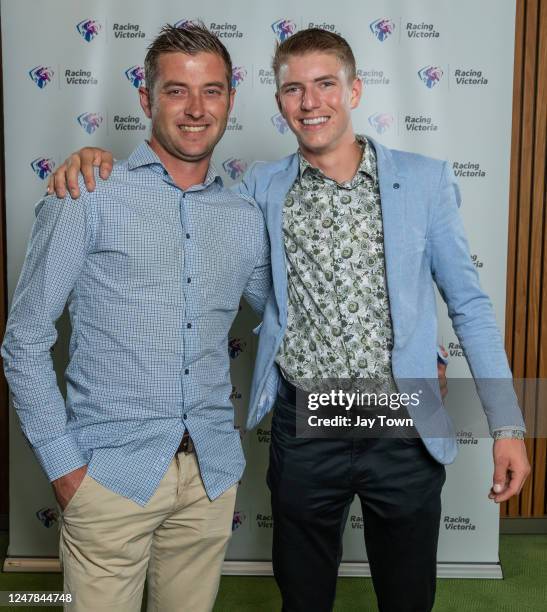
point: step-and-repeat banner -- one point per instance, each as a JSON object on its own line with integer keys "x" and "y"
{"x": 437, "y": 80}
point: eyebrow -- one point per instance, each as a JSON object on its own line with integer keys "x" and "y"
{"x": 219, "y": 84}
{"x": 325, "y": 77}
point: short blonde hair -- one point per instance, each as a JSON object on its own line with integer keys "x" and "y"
{"x": 315, "y": 39}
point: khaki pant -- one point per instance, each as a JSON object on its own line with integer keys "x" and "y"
{"x": 109, "y": 545}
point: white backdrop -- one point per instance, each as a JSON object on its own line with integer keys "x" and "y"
{"x": 438, "y": 81}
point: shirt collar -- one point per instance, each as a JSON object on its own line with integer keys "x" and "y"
{"x": 144, "y": 155}
{"x": 367, "y": 165}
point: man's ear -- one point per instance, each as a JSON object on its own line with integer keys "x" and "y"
{"x": 146, "y": 101}
{"x": 232, "y": 95}
{"x": 356, "y": 92}
{"x": 278, "y": 100}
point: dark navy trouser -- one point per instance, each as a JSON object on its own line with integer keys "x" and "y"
{"x": 312, "y": 483}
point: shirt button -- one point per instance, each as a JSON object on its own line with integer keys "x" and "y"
{"x": 396, "y": 185}
{"x": 189, "y": 325}
{"x": 188, "y": 280}
{"x": 187, "y": 371}
{"x": 187, "y": 235}
{"x": 185, "y": 416}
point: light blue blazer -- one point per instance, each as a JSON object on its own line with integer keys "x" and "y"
{"x": 425, "y": 244}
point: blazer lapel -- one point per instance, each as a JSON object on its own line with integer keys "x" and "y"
{"x": 393, "y": 187}
{"x": 276, "y": 194}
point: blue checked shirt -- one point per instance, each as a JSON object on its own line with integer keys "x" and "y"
{"x": 153, "y": 278}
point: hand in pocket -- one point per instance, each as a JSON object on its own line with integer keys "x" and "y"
{"x": 65, "y": 487}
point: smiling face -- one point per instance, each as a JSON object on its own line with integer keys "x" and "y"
{"x": 316, "y": 97}
{"x": 189, "y": 106}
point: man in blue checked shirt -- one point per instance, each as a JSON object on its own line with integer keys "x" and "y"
{"x": 143, "y": 457}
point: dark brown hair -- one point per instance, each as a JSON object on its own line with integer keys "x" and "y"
{"x": 192, "y": 38}
{"x": 315, "y": 39}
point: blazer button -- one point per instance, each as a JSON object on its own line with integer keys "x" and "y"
{"x": 396, "y": 185}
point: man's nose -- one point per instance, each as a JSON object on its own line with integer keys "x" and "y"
{"x": 310, "y": 99}
{"x": 194, "y": 107}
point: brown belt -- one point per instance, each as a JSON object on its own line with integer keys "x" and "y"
{"x": 186, "y": 444}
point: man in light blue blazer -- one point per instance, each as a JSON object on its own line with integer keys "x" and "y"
{"x": 423, "y": 243}
{"x": 359, "y": 236}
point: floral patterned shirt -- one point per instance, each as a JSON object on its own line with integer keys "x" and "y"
{"x": 339, "y": 324}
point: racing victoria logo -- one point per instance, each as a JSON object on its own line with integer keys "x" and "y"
{"x": 236, "y": 347}
{"x": 381, "y": 122}
{"x": 42, "y": 166}
{"x": 234, "y": 167}
{"x": 238, "y": 75}
{"x": 430, "y": 75}
{"x": 135, "y": 75}
{"x": 238, "y": 519}
{"x": 280, "y": 124}
{"x": 283, "y": 29}
{"x": 185, "y": 23}
{"x": 41, "y": 75}
{"x": 47, "y": 516}
{"x": 90, "y": 121}
{"x": 382, "y": 28}
{"x": 89, "y": 29}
